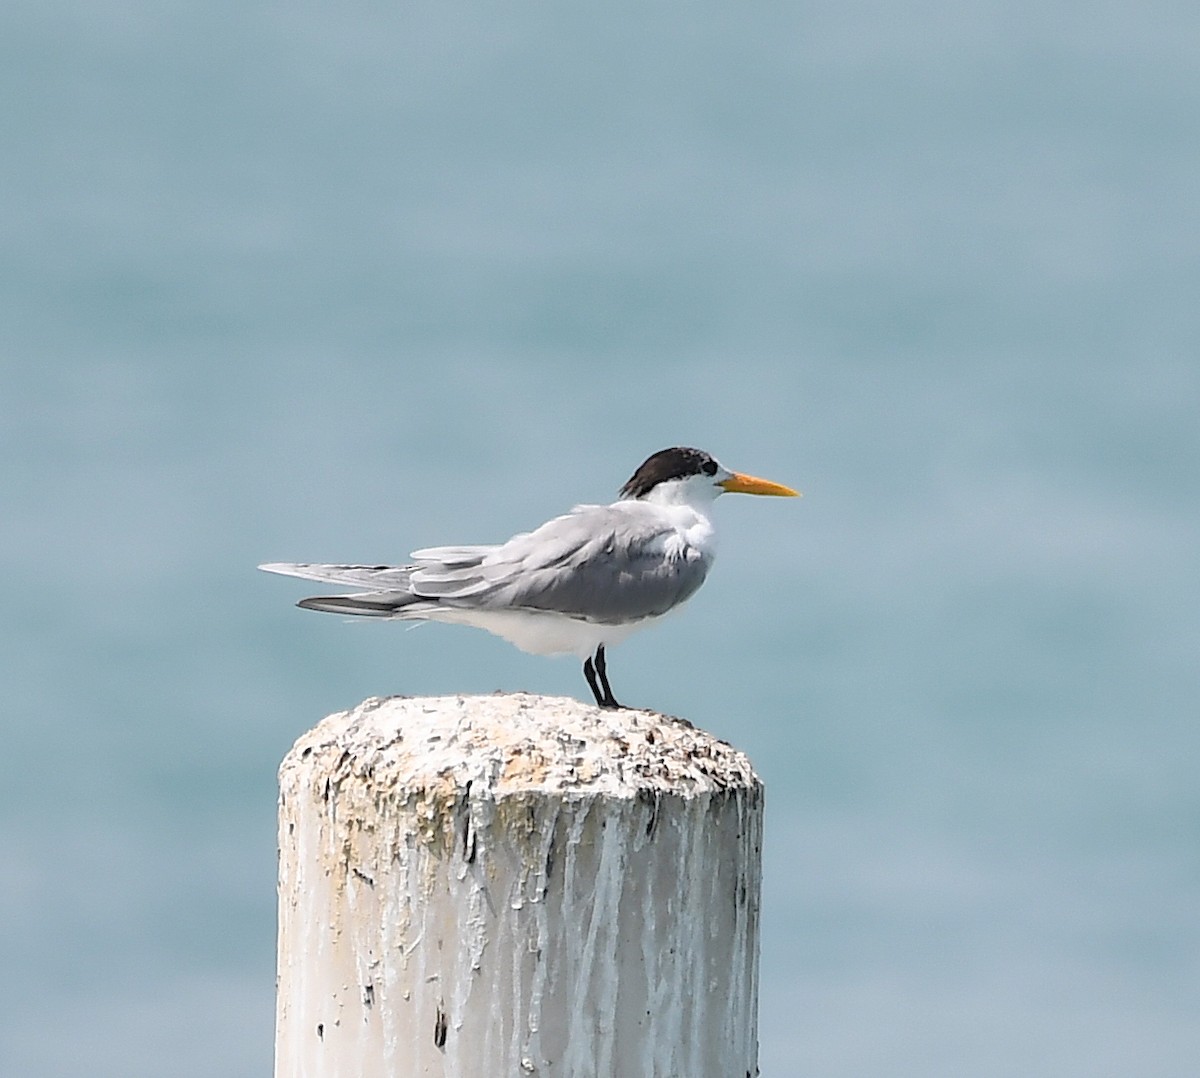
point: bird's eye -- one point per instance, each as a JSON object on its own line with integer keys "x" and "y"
{"x": 709, "y": 467}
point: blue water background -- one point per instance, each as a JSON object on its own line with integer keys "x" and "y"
{"x": 319, "y": 282}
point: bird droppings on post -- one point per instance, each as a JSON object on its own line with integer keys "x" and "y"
{"x": 542, "y": 883}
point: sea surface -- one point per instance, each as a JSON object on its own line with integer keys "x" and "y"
{"x": 333, "y": 282}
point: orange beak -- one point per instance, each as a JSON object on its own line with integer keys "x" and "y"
{"x": 748, "y": 484}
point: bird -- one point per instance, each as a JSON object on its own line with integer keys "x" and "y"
{"x": 580, "y": 583}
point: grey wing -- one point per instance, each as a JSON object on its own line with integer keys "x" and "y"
{"x": 388, "y": 588}
{"x": 599, "y": 563}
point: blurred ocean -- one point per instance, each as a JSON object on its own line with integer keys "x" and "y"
{"x": 318, "y": 282}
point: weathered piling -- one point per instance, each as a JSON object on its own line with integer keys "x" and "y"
{"x": 513, "y": 885}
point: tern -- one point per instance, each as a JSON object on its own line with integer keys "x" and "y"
{"x": 580, "y": 583}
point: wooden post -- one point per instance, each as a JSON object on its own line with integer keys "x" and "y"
{"x": 513, "y": 885}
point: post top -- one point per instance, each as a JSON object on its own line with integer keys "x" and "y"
{"x": 511, "y": 743}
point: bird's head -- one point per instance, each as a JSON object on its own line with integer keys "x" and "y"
{"x": 682, "y": 475}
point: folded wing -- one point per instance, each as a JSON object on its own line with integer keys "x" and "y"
{"x": 601, "y": 563}
{"x": 607, "y": 564}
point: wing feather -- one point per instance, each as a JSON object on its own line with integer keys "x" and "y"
{"x": 371, "y": 577}
{"x": 452, "y": 557}
{"x": 602, "y": 563}
{"x": 607, "y": 564}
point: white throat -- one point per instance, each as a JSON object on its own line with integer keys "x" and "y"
{"x": 697, "y": 492}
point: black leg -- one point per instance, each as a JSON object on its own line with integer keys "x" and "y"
{"x": 589, "y": 672}
{"x": 602, "y": 673}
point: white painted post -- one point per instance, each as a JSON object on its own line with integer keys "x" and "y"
{"x": 512, "y": 885}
